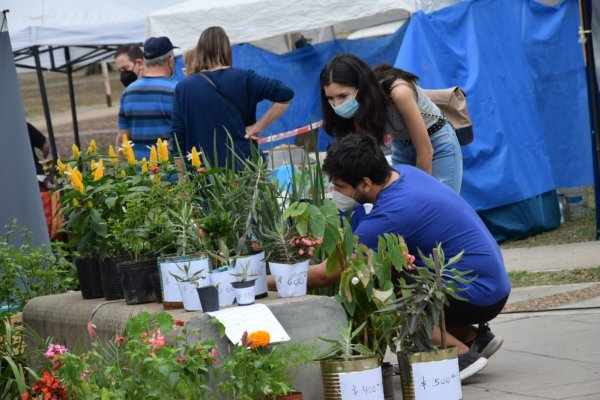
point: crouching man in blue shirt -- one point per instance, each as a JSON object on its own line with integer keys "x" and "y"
{"x": 408, "y": 202}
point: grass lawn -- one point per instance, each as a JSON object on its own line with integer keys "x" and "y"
{"x": 583, "y": 275}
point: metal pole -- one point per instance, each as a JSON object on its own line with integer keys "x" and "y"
{"x": 72, "y": 96}
{"x": 586, "y": 36}
{"x": 40, "y": 76}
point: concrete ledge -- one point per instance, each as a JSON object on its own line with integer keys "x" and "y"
{"x": 64, "y": 317}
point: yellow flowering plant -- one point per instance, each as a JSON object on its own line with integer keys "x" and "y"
{"x": 256, "y": 369}
{"x": 88, "y": 198}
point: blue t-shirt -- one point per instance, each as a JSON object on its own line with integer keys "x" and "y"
{"x": 145, "y": 110}
{"x": 426, "y": 212}
{"x": 202, "y": 117}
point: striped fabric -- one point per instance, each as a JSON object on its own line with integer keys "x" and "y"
{"x": 145, "y": 111}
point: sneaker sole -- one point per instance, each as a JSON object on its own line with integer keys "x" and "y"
{"x": 473, "y": 368}
{"x": 492, "y": 347}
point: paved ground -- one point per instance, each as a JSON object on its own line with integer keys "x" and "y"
{"x": 546, "y": 355}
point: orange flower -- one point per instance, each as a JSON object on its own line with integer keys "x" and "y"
{"x": 259, "y": 339}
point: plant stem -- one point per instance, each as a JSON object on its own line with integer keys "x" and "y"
{"x": 438, "y": 285}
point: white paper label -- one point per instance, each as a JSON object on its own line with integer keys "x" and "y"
{"x": 363, "y": 385}
{"x": 437, "y": 380}
{"x": 170, "y": 289}
{"x": 256, "y": 317}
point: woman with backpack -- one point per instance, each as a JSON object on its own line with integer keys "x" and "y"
{"x": 388, "y": 100}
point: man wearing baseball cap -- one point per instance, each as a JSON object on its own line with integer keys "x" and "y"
{"x": 147, "y": 103}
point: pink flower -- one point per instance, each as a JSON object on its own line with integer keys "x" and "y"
{"x": 157, "y": 340}
{"x": 91, "y": 330}
{"x": 214, "y": 354}
{"x": 181, "y": 359}
{"x": 310, "y": 253}
{"x": 120, "y": 339}
{"x": 201, "y": 170}
{"x": 301, "y": 251}
{"x": 85, "y": 373}
{"x": 201, "y": 232}
{"x": 54, "y": 351}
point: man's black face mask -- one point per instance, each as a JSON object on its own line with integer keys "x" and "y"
{"x": 128, "y": 77}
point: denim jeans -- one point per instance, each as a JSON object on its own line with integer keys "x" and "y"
{"x": 447, "y": 165}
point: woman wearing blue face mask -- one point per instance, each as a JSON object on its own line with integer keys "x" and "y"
{"x": 389, "y": 101}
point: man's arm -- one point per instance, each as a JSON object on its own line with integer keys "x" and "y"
{"x": 119, "y": 140}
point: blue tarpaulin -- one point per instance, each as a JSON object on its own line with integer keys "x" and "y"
{"x": 522, "y": 68}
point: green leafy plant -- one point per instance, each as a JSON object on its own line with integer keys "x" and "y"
{"x": 28, "y": 271}
{"x": 139, "y": 364}
{"x": 347, "y": 346}
{"x": 14, "y": 374}
{"x": 421, "y": 303}
{"x": 186, "y": 276}
{"x": 254, "y": 369}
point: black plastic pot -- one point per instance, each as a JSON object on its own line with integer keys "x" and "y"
{"x": 88, "y": 272}
{"x": 155, "y": 281}
{"x": 111, "y": 280}
{"x": 209, "y": 298}
{"x": 387, "y": 373}
{"x": 136, "y": 282}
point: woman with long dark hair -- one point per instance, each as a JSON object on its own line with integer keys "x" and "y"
{"x": 388, "y": 100}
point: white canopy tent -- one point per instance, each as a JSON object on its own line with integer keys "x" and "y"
{"x": 266, "y": 22}
{"x": 67, "y": 35}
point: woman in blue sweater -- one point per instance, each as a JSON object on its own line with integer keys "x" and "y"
{"x": 217, "y": 100}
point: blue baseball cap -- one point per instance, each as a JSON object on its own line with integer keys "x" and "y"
{"x": 157, "y": 46}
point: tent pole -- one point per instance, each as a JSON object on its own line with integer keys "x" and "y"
{"x": 40, "y": 76}
{"x": 586, "y": 32}
{"x": 72, "y": 95}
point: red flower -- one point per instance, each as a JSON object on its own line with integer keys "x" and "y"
{"x": 201, "y": 232}
{"x": 154, "y": 170}
{"x": 234, "y": 184}
{"x": 91, "y": 330}
{"x": 120, "y": 339}
{"x": 201, "y": 170}
{"x": 26, "y": 396}
{"x": 178, "y": 322}
{"x": 181, "y": 359}
{"x": 49, "y": 387}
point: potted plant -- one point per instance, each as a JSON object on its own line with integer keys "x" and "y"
{"x": 189, "y": 279}
{"x": 138, "y": 234}
{"x": 348, "y": 362}
{"x": 419, "y": 309}
{"x": 181, "y": 224}
{"x": 254, "y": 369}
{"x": 244, "y": 287}
{"x": 232, "y": 196}
{"x": 83, "y": 190}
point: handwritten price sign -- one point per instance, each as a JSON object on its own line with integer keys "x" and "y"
{"x": 437, "y": 380}
{"x": 363, "y": 385}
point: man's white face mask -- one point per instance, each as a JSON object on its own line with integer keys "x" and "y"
{"x": 344, "y": 202}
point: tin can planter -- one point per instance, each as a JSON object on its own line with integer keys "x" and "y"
{"x": 357, "y": 378}
{"x": 168, "y": 265}
{"x": 257, "y": 269}
{"x": 135, "y": 280}
{"x": 111, "y": 281}
{"x": 90, "y": 282}
{"x": 209, "y": 298}
{"x": 431, "y": 375}
{"x": 244, "y": 292}
{"x": 222, "y": 279}
{"x": 290, "y": 279}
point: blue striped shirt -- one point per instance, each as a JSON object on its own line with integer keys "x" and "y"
{"x": 145, "y": 110}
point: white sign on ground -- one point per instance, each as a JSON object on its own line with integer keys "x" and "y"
{"x": 437, "y": 380}
{"x": 363, "y": 385}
